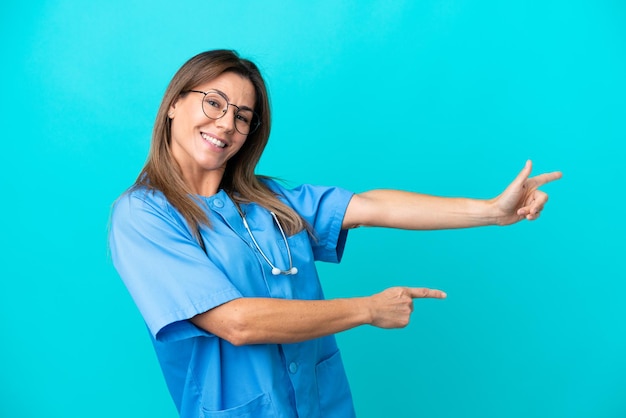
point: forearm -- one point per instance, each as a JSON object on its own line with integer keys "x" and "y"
{"x": 264, "y": 320}
{"x": 407, "y": 210}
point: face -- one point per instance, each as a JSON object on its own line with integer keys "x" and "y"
{"x": 203, "y": 146}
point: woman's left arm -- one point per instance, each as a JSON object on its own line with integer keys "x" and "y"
{"x": 522, "y": 199}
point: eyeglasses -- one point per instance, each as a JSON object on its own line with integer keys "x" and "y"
{"x": 215, "y": 106}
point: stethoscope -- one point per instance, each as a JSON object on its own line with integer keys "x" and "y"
{"x": 275, "y": 270}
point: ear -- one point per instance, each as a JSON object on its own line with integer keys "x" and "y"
{"x": 172, "y": 111}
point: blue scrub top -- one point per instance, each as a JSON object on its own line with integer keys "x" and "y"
{"x": 172, "y": 279}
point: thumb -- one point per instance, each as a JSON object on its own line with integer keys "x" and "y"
{"x": 523, "y": 175}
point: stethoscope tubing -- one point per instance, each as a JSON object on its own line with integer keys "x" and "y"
{"x": 275, "y": 270}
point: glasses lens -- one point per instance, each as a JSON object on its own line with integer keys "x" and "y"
{"x": 214, "y": 105}
{"x": 244, "y": 121}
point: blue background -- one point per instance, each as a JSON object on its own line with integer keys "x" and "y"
{"x": 535, "y": 320}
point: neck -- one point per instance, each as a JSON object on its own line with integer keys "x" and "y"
{"x": 205, "y": 184}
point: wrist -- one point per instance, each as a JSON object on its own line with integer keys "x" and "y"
{"x": 365, "y": 314}
{"x": 492, "y": 213}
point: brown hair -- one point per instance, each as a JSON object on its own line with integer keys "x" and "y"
{"x": 163, "y": 173}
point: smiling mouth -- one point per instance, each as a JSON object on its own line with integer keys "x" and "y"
{"x": 213, "y": 141}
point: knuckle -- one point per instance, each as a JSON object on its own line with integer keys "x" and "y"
{"x": 395, "y": 292}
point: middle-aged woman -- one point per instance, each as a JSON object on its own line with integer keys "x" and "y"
{"x": 220, "y": 261}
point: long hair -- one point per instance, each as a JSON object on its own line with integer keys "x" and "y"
{"x": 162, "y": 172}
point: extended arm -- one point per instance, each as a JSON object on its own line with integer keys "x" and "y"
{"x": 405, "y": 210}
{"x": 265, "y": 320}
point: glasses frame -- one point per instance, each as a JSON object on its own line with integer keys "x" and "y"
{"x": 254, "y": 123}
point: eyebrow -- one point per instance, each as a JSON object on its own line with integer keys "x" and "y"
{"x": 228, "y": 99}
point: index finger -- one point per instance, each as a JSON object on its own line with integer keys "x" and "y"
{"x": 542, "y": 179}
{"x": 424, "y": 292}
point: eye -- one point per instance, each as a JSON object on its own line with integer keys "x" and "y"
{"x": 244, "y": 117}
{"x": 213, "y": 102}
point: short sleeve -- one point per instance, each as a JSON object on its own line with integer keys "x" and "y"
{"x": 323, "y": 208}
{"x": 167, "y": 273}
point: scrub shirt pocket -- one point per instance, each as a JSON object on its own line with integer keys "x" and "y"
{"x": 297, "y": 240}
{"x": 333, "y": 388}
{"x": 300, "y": 248}
{"x": 259, "y": 407}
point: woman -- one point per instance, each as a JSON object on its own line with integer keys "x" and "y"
{"x": 220, "y": 261}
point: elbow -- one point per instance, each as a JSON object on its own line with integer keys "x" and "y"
{"x": 229, "y": 322}
{"x": 237, "y": 337}
{"x": 238, "y": 330}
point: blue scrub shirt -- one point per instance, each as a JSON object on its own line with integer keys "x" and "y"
{"x": 172, "y": 279}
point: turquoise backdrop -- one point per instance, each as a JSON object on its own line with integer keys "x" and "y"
{"x": 535, "y": 321}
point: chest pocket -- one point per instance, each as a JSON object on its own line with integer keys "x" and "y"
{"x": 300, "y": 248}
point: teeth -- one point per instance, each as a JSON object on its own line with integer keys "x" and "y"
{"x": 214, "y": 141}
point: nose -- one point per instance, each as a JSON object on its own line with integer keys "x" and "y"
{"x": 227, "y": 122}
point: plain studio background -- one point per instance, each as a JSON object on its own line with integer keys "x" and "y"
{"x": 446, "y": 97}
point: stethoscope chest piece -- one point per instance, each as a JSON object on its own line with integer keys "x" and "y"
{"x": 276, "y": 271}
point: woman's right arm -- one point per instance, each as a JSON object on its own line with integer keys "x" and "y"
{"x": 266, "y": 320}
